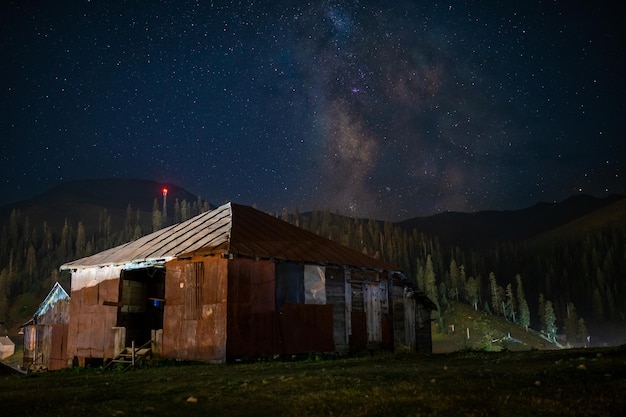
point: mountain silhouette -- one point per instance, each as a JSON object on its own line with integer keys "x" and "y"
{"x": 484, "y": 227}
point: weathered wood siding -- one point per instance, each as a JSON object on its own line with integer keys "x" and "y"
{"x": 423, "y": 331}
{"x": 336, "y": 297}
{"x": 194, "y": 318}
{"x": 401, "y": 329}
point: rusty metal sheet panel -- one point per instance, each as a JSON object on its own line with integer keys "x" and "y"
{"x": 72, "y": 338}
{"x": 216, "y": 275}
{"x": 83, "y": 334}
{"x": 58, "y": 347}
{"x": 304, "y": 328}
{"x": 201, "y": 334}
{"x": 99, "y": 332}
{"x": 211, "y": 333}
{"x": 90, "y": 331}
{"x": 172, "y": 321}
{"x": 108, "y": 291}
{"x": 251, "y": 323}
{"x": 251, "y": 333}
{"x": 90, "y": 296}
{"x": 252, "y": 282}
{"x": 110, "y": 322}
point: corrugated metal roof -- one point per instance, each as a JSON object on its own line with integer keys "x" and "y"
{"x": 232, "y": 229}
{"x": 209, "y": 230}
{"x": 261, "y": 235}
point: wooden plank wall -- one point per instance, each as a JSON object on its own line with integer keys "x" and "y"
{"x": 401, "y": 336}
{"x": 336, "y": 296}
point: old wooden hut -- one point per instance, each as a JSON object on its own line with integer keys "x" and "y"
{"x": 234, "y": 282}
{"x": 45, "y": 334}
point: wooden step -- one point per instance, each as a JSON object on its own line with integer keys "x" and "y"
{"x": 130, "y": 356}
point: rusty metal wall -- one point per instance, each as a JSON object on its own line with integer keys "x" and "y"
{"x": 90, "y": 329}
{"x": 251, "y": 307}
{"x": 30, "y": 345}
{"x": 304, "y": 328}
{"x": 57, "y": 358}
{"x": 257, "y": 328}
{"x": 199, "y": 334}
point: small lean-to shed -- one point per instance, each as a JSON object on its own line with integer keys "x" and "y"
{"x": 7, "y": 347}
{"x": 45, "y": 335}
{"x": 234, "y": 282}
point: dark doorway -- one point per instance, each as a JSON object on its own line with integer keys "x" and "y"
{"x": 142, "y": 293}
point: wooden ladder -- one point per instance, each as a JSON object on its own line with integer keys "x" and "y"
{"x": 131, "y": 356}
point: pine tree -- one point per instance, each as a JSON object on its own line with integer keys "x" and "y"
{"x": 430, "y": 284}
{"x": 296, "y": 216}
{"x": 462, "y": 280}
{"x": 421, "y": 276}
{"x": 597, "y": 304}
{"x": 571, "y": 324}
{"x": 471, "y": 288}
{"x": 64, "y": 252}
{"x": 495, "y": 294}
{"x": 4, "y": 294}
{"x": 177, "y": 212}
{"x": 443, "y": 293}
{"x": 510, "y": 304}
{"x": 582, "y": 334}
{"x": 157, "y": 217}
{"x": 550, "y": 321}
{"x": 542, "y": 313}
{"x": 31, "y": 261}
{"x": 524, "y": 312}
{"x": 184, "y": 210}
{"x": 80, "y": 240}
{"x": 454, "y": 280}
{"x": 128, "y": 228}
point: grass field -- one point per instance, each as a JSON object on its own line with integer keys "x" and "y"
{"x": 581, "y": 382}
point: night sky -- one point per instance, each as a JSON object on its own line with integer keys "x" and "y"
{"x": 384, "y": 109}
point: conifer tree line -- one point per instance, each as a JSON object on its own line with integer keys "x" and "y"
{"x": 556, "y": 288}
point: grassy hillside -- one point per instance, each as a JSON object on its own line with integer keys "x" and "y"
{"x": 486, "y": 332}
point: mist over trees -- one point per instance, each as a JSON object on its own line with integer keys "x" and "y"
{"x": 558, "y": 288}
